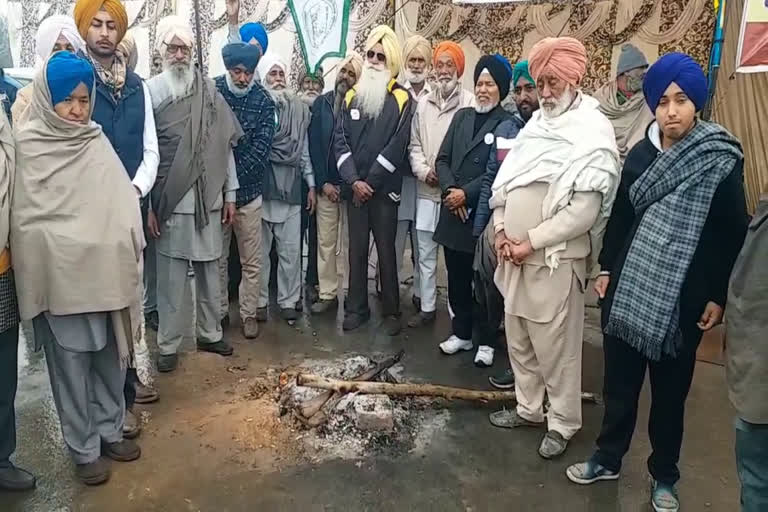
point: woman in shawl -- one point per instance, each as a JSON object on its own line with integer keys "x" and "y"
{"x": 56, "y": 33}
{"x": 76, "y": 250}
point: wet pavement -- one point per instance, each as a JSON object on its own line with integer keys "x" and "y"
{"x": 189, "y": 463}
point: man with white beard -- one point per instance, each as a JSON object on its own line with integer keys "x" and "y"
{"x": 371, "y": 142}
{"x": 255, "y": 111}
{"x": 550, "y": 206}
{"x": 194, "y": 193}
{"x": 290, "y": 164}
{"x": 431, "y": 120}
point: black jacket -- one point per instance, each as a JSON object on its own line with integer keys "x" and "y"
{"x": 321, "y": 130}
{"x": 719, "y": 244}
{"x": 375, "y": 150}
{"x": 461, "y": 163}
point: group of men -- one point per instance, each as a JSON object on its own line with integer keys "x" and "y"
{"x": 524, "y": 205}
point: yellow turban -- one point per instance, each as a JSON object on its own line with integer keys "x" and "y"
{"x": 85, "y": 10}
{"x": 386, "y": 36}
{"x": 353, "y": 60}
{"x": 418, "y": 46}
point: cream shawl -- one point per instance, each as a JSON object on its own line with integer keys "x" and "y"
{"x": 76, "y": 229}
{"x": 630, "y": 120}
{"x": 7, "y": 159}
{"x": 574, "y": 152}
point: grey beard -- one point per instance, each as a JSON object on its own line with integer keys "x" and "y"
{"x": 281, "y": 96}
{"x": 239, "y": 91}
{"x": 179, "y": 79}
{"x": 484, "y": 109}
{"x": 309, "y": 100}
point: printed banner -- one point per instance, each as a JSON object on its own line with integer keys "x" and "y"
{"x": 752, "y": 56}
{"x": 322, "y": 28}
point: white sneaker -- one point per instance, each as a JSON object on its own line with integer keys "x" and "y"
{"x": 454, "y": 344}
{"x": 484, "y": 356}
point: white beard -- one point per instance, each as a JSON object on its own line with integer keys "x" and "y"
{"x": 484, "y": 109}
{"x": 307, "y": 98}
{"x": 372, "y": 90}
{"x": 559, "y": 106}
{"x": 448, "y": 88}
{"x": 415, "y": 78}
{"x": 281, "y": 96}
{"x": 237, "y": 91}
{"x": 179, "y": 79}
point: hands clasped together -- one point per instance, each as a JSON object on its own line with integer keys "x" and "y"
{"x": 512, "y": 249}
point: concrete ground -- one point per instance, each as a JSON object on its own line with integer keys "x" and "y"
{"x": 195, "y": 458}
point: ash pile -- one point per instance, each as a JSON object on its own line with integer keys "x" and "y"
{"x": 353, "y": 425}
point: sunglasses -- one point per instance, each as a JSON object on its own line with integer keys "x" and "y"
{"x": 379, "y": 56}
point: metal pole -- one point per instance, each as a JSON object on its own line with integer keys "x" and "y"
{"x": 198, "y": 32}
{"x": 714, "y": 59}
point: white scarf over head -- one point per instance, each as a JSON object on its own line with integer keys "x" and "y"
{"x": 574, "y": 152}
{"x": 267, "y": 62}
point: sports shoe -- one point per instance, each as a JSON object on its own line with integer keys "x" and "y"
{"x": 589, "y": 472}
{"x": 664, "y": 497}
{"x": 251, "y": 328}
{"x": 484, "y": 356}
{"x": 131, "y": 426}
{"x": 508, "y": 418}
{"x": 505, "y": 381}
{"x": 453, "y": 344}
{"x": 553, "y": 445}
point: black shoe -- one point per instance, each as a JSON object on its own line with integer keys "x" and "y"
{"x": 352, "y": 321}
{"x": 391, "y": 325}
{"x": 152, "y": 320}
{"x": 312, "y": 295}
{"x": 123, "y": 451}
{"x": 421, "y": 319}
{"x": 323, "y": 305}
{"x": 15, "y": 479}
{"x": 261, "y": 314}
{"x": 94, "y": 473}
{"x": 225, "y": 322}
{"x": 416, "y": 302}
{"x": 289, "y": 314}
{"x": 167, "y": 362}
{"x": 506, "y": 381}
{"x": 220, "y": 347}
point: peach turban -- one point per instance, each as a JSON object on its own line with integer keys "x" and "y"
{"x": 85, "y": 10}
{"x": 386, "y": 36}
{"x": 355, "y": 61}
{"x": 454, "y": 51}
{"x": 564, "y": 57}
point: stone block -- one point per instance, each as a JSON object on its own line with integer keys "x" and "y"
{"x": 374, "y": 413}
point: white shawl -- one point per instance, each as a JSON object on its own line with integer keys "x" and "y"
{"x": 574, "y": 152}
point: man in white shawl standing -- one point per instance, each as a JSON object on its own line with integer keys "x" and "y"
{"x": 550, "y": 204}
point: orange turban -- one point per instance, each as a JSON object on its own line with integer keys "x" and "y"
{"x": 452, "y": 49}
{"x": 85, "y": 10}
{"x": 564, "y": 57}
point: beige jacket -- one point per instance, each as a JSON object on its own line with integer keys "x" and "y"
{"x": 429, "y": 126}
{"x": 531, "y": 290}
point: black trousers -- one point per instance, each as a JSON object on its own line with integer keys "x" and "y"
{"x": 129, "y": 389}
{"x": 309, "y": 223}
{"x": 460, "y": 276}
{"x": 378, "y": 215}
{"x": 9, "y": 353}
{"x": 623, "y": 379}
{"x": 489, "y": 311}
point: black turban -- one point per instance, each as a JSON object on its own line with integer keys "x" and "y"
{"x": 235, "y": 54}
{"x": 498, "y": 71}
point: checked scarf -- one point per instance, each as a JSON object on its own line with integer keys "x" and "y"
{"x": 673, "y": 197}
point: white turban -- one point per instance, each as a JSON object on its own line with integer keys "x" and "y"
{"x": 267, "y": 62}
{"x": 49, "y": 31}
{"x": 170, "y": 27}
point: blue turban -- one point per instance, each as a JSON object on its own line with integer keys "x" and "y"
{"x": 255, "y": 31}
{"x": 235, "y": 54}
{"x": 678, "y": 68}
{"x": 65, "y": 72}
{"x": 521, "y": 71}
{"x": 504, "y": 61}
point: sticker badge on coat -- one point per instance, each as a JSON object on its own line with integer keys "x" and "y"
{"x": 489, "y": 138}
{"x": 354, "y": 114}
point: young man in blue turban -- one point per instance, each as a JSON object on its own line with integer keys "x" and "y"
{"x": 679, "y": 216}
{"x": 255, "y": 111}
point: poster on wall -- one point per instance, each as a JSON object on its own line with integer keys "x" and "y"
{"x": 322, "y": 27}
{"x": 752, "y": 55}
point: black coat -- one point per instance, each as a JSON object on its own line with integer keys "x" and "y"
{"x": 461, "y": 163}
{"x": 719, "y": 243}
{"x": 321, "y": 152}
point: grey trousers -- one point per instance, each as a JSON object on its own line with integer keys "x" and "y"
{"x": 174, "y": 311}
{"x": 88, "y": 392}
{"x": 286, "y": 235}
{"x": 403, "y": 228}
{"x": 150, "y": 276}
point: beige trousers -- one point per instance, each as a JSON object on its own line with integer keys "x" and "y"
{"x": 332, "y": 245}
{"x": 247, "y": 229}
{"x": 547, "y": 357}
